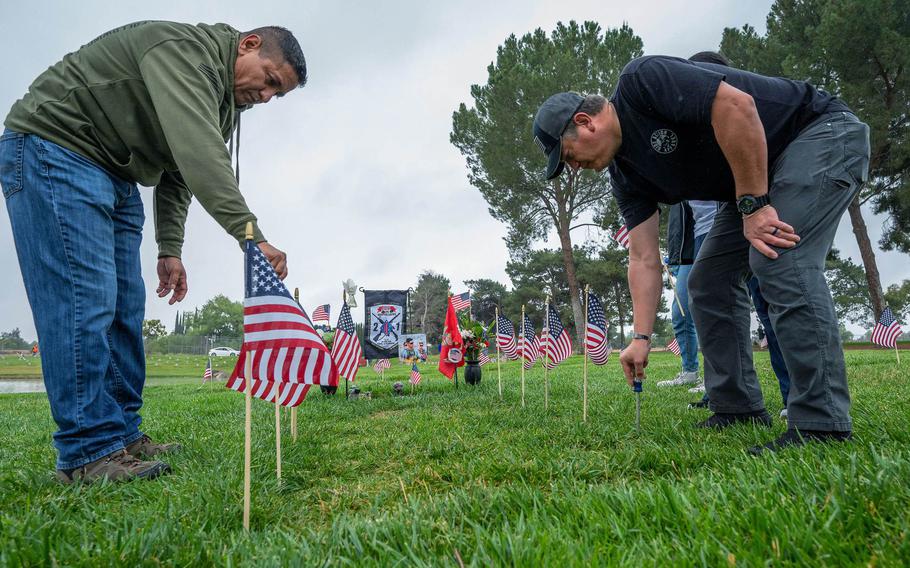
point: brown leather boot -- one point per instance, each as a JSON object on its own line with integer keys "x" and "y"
{"x": 118, "y": 466}
{"x": 144, "y": 448}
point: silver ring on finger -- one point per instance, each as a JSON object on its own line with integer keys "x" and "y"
{"x": 774, "y": 232}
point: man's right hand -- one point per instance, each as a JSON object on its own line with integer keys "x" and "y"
{"x": 171, "y": 278}
{"x": 634, "y": 359}
{"x": 276, "y": 258}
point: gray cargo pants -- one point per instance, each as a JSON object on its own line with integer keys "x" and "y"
{"x": 811, "y": 184}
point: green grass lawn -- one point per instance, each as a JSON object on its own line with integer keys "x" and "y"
{"x": 458, "y": 474}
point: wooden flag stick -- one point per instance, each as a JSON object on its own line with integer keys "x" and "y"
{"x": 523, "y": 348}
{"x": 897, "y": 353}
{"x": 498, "y": 368}
{"x": 584, "y": 390}
{"x": 248, "y": 377}
{"x": 278, "y": 429}
{"x": 673, "y": 285}
{"x": 546, "y": 344}
{"x": 294, "y": 408}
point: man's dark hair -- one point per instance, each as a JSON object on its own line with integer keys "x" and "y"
{"x": 710, "y": 57}
{"x": 592, "y": 105}
{"x": 279, "y": 44}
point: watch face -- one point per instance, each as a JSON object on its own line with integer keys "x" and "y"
{"x": 746, "y": 204}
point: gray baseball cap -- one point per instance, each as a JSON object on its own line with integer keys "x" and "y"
{"x": 551, "y": 121}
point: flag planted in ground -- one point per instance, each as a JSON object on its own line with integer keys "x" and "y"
{"x": 887, "y": 330}
{"x": 321, "y": 313}
{"x": 484, "y": 358}
{"x": 207, "y": 374}
{"x": 278, "y": 338}
{"x": 622, "y": 237}
{"x": 528, "y": 344}
{"x": 674, "y": 347}
{"x": 462, "y": 301}
{"x": 451, "y": 354}
{"x": 415, "y": 374}
{"x": 555, "y": 343}
{"x": 505, "y": 338}
{"x": 381, "y": 364}
{"x": 346, "y": 350}
{"x": 596, "y": 333}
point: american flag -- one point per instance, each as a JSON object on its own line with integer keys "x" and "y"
{"x": 484, "y": 358}
{"x": 346, "y": 351}
{"x": 596, "y": 334}
{"x": 622, "y": 236}
{"x": 674, "y": 347}
{"x": 278, "y": 339}
{"x": 381, "y": 364}
{"x": 462, "y": 301}
{"x": 528, "y": 344}
{"x": 415, "y": 374}
{"x": 887, "y": 330}
{"x": 556, "y": 344}
{"x": 207, "y": 375}
{"x": 321, "y": 313}
{"x": 505, "y": 337}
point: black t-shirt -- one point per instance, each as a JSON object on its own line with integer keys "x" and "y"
{"x": 669, "y": 152}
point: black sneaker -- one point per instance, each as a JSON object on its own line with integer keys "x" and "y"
{"x": 722, "y": 420}
{"x": 699, "y": 404}
{"x": 797, "y": 438}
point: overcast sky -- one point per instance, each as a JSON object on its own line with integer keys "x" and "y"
{"x": 354, "y": 176}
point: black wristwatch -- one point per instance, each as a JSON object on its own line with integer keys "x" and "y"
{"x": 641, "y": 336}
{"x": 749, "y": 204}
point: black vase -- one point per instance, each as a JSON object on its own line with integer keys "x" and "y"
{"x": 472, "y": 373}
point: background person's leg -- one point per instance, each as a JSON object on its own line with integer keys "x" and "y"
{"x": 719, "y": 304}
{"x": 61, "y": 220}
{"x": 777, "y": 358}
{"x": 685, "y": 333}
{"x": 126, "y": 374}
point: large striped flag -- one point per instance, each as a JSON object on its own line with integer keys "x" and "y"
{"x": 381, "y": 364}
{"x": 415, "y": 374}
{"x": 596, "y": 333}
{"x": 321, "y": 313}
{"x": 346, "y": 351}
{"x": 528, "y": 344}
{"x": 674, "y": 347}
{"x": 462, "y": 301}
{"x": 887, "y": 330}
{"x": 278, "y": 339}
{"x": 207, "y": 374}
{"x": 505, "y": 338}
{"x": 622, "y": 237}
{"x": 556, "y": 344}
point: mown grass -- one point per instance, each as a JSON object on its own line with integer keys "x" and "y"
{"x": 457, "y": 475}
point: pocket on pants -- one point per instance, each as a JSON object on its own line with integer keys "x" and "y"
{"x": 11, "y": 147}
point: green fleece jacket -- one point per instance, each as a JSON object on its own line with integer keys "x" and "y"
{"x": 152, "y": 103}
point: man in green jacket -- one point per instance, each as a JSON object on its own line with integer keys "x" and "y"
{"x": 150, "y": 103}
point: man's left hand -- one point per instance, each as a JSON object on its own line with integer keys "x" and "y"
{"x": 763, "y": 230}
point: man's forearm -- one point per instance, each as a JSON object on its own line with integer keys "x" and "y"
{"x": 645, "y": 283}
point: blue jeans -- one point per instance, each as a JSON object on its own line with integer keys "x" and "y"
{"x": 77, "y": 230}
{"x": 777, "y": 358}
{"x": 684, "y": 326}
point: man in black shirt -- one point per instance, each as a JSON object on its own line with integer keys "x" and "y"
{"x": 786, "y": 159}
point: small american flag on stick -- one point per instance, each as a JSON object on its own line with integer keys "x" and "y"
{"x": 556, "y": 344}
{"x": 321, "y": 313}
{"x": 674, "y": 347}
{"x": 207, "y": 374}
{"x": 415, "y": 374}
{"x": 529, "y": 344}
{"x": 484, "y": 358}
{"x": 462, "y": 301}
{"x": 622, "y": 237}
{"x": 505, "y": 337}
{"x": 887, "y": 330}
{"x": 346, "y": 350}
{"x": 381, "y": 364}
{"x": 596, "y": 333}
{"x": 278, "y": 339}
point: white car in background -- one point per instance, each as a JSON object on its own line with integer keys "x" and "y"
{"x": 223, "y": 352}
